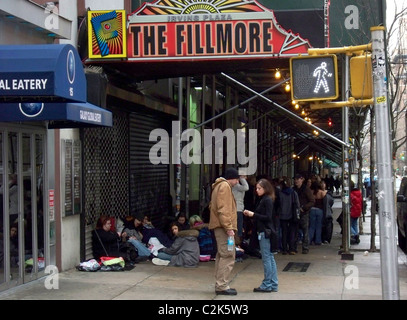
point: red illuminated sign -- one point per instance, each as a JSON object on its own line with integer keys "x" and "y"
{"x": 204, "y": 30}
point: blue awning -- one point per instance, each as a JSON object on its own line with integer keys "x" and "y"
{"x": 59, "y": 114}
{"x": 47, "y": 70}
{"x": 46, "y": 83}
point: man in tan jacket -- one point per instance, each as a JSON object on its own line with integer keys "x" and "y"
{"x": 223, "y": 220}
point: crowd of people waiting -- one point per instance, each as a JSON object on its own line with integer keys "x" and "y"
{"x": 185, "y": 244}
{"x": 302, "y": 213}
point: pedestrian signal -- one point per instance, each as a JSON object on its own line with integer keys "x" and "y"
{"x": 314, "y": 78}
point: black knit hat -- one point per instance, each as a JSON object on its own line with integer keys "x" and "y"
{"x": 299, "y": 176}
{"x": 231, "y": 173}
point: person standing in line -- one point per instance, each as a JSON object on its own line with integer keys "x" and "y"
{"x": 316, "y": 214}
{"x": 356, "y": 205}
{"x": 307, "y": 201}
{"x": 250, "y": 195}
{"x": 288, "y": 224}
{"x": 223, "y": 221}
{"x": 327, "y": 223}
{"x": 276, "y": 244}
{"x": 250, "y": 239}
{"x": 239, "y": 191}
{"x": 337, "y": 184}
{"x": 263, "y": 216}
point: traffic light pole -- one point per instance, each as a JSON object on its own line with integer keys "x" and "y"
{"x": 345, "y": 254}
{"x": 387, "y": 223}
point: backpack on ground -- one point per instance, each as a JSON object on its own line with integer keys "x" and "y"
{"x": 128, "y": 252}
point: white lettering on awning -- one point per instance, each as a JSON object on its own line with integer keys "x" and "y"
{"x": 23, "y": 84}
{"x": 90, "y": 116}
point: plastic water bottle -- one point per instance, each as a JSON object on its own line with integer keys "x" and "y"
{"x": 231, "y": 242}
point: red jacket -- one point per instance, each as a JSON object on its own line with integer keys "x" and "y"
{"x": 356, "y": 203}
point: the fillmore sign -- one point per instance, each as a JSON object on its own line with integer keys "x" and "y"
{"x": 202, "y": 39}
{"x": 202, "y": 30}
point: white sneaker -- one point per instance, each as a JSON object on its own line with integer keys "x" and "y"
{"x": 160, "y": 262}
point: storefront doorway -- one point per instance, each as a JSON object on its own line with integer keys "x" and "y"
{"x": 23, "y": 206}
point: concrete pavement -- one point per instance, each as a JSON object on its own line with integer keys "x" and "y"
{"x": 327, "y": 277}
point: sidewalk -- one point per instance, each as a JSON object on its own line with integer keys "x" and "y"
{"x": 327, "y": 277}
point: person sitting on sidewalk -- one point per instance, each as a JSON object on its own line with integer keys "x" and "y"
{"x": 134, "y": 236}
{"x": 147, "y": 221}
{"x": 205, "y": 237}
{"x": 184, "y": 252}
{"x": 149, "y": 231}
{"x": 182, "y": 221}
{"x": 105, "y": 242}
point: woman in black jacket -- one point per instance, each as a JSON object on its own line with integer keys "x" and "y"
{"x": 263, "y": 216}
{"x": 105, "y": 242}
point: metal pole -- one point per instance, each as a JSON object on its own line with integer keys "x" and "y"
{"x": 188, "y": 120}
{"x": 345, "y": 169}
{"x": 387, "y": 223}
{"x": 178, "y": 165}
{"x": 203, "y": 182}
{"x": 214, "y": 172}
{"x": 373, "y": 198}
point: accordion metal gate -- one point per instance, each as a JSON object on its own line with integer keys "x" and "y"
{"x": 105, "y": 173}
{"x": 119, "y": 178}
{"x": 149, "y": 184}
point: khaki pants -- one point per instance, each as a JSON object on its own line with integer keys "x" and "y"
{"x": 225, "y": 260}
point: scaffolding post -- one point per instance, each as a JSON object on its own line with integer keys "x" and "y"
{"x": 178, "y": 151}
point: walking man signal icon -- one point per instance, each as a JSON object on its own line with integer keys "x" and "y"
{"x": 314, "y": 78}
{"x": 321, "y": 73}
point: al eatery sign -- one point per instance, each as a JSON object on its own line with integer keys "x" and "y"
{"x": 206, "y": 30}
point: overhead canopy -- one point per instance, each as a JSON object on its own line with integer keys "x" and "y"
{"x": 46, "y": 83}
{"x": 249, "y": 61}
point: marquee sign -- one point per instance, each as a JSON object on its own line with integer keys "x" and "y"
{"x": 182, "y": 30}
{"x": 202, "y": 30}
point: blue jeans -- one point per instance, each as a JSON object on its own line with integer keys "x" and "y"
{"x": 354, "y": 226}
{"x": 141, "y": 248}
{"x": 269, "y": 264}
{"x": 164, "y": 256}
{"x": 315, "y": 225}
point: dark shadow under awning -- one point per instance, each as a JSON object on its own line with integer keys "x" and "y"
{"x": 59, "y": 114}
